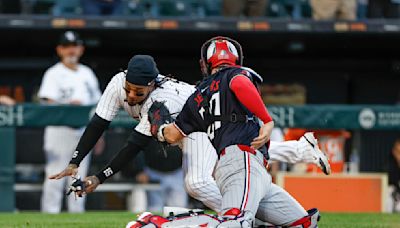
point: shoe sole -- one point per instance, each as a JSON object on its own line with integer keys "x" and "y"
{"x": 321, "y": 162}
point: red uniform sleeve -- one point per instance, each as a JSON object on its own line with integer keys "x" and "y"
{"x": 248, "y": 95}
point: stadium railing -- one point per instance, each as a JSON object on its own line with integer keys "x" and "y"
{"x": 134, "y": 191}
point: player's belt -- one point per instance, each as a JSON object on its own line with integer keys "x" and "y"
{"x": 242, "y": 148}
{"x": 245, "y": 148}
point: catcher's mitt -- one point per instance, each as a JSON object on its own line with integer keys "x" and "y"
{"x": 158, "y": 115}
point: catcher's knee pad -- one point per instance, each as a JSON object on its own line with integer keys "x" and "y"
{"x": 236, "y": 218}
{"x": 309, "y": 221}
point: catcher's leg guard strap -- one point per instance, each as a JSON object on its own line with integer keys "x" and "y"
{"x": 233, "y": 212}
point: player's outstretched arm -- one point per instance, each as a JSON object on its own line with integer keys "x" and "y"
{"x": 121, "y": 159}
{"x": 93, "y": 132}
{"x": 135, "y": 143}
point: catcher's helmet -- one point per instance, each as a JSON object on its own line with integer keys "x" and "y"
{"x": 220, "y": 50}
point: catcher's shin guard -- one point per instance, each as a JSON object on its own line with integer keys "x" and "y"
{"x": 309, "y": 221}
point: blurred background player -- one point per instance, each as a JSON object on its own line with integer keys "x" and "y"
{"x": 164, "y": 168}
{"x": 250, "y": 8}
{"x": 334, "y": 9}
{"x": 69, "y": 83}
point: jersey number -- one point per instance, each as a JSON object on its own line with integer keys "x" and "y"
{"x": 215, "y": 110}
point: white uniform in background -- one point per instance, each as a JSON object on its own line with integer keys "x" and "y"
{"x": 199, "y": 156}
{"x": 64, "y": 85}
{"x": 172, "y": 192}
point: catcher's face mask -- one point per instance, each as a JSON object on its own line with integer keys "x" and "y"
{"x": 220, "y": 50}
{"x": 136, "y": 94}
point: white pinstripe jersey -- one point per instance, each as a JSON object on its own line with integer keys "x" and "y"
{"x": 174, "y": 94}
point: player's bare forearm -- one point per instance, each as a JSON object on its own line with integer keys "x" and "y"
{"x": 172, "y": 134}
{"x": 264, "y": 135}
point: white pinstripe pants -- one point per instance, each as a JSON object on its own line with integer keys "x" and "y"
{"x": 58, "y": 154}
{"x": 199, "y": 160}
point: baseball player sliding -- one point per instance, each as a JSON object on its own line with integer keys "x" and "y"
{"x": 136, "y": 90}
{"x": 226, "y": 105}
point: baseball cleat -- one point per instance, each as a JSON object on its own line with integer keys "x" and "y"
{"x": 317, "y": 156}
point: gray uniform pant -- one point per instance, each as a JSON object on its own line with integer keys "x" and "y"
{"x": 245, "y": 184}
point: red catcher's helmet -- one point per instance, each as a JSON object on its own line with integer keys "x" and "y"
{"x": 220, "y": 50}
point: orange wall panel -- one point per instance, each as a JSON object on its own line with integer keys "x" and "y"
{"x": 338, "y": 193}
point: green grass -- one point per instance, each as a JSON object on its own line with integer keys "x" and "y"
{"x": 119, "y": 219}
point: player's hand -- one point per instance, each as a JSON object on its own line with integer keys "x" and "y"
{"x": 263, "y": 136}
{"x": 91, "y": 183}
{"x": 71, "y": 170}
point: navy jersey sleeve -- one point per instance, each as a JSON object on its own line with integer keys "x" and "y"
{"x": 189, "y": 119}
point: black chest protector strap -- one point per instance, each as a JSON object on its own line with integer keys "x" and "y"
{"x": 235, "y": 118}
